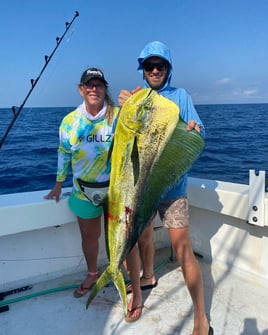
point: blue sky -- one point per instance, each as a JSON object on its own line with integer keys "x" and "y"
{"x": 219, "y": 48}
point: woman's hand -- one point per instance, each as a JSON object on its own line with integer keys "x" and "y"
{"x": 55, "y": 192}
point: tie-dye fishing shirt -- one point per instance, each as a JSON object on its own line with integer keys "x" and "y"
{"x": 84, "y": 144}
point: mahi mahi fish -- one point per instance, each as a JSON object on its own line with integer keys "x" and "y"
{"x": 151, "y": 150}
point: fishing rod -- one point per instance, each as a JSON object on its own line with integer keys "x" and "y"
{"x": 35, "y": 81}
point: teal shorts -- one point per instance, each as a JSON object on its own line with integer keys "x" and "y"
{"x": 84, "y": 208}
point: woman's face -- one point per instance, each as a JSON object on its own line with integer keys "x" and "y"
{"x": 93, "y": 93}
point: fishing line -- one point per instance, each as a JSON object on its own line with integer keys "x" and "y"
{"x": 55, "y": 66}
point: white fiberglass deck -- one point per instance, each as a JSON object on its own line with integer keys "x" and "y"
{"x": 236, "y": 306}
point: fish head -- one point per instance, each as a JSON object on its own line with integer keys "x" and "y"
{"x": 139, "y": 111}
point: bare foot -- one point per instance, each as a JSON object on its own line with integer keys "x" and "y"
{"x": 134, "y": 308}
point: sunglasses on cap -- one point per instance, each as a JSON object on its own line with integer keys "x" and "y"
{"x": 150, "y": 66}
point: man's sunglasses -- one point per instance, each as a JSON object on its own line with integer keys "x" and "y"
{"x": 149, "y": 66}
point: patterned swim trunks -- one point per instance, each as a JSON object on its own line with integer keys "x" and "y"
{"x": 174, "y": 213}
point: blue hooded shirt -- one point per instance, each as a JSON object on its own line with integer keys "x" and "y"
{"x": 177, "y": 95}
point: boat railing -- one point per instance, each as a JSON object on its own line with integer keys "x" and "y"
{"x": 248, "y": 203}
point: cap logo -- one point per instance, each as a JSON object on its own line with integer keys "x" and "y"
{"x": 95, "y": 73}
{"x": 92, "y": 73}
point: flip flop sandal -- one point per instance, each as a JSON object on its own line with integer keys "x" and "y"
{"x": 129, "y": 318}
{"x": 144, "y": 287}
{"x": 210, "y": 331}
{"x": 149, "y": 287}
{"x": 81, "y": 291}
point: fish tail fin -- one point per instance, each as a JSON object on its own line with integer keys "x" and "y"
{"x": 119, "y": 282}
{"x": 101, "y": 282}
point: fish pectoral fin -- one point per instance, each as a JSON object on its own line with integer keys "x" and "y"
{"x": 135, "y": 160}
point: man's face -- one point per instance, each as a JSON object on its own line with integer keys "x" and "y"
{"x": 155, "y": 71}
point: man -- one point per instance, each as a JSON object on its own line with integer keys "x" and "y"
{"x": 156, "y": 66}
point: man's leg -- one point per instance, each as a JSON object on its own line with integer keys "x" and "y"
{"x": 193, "y": 278}
{"x": 135, "y": 303}
{"x": 147, "y": 251}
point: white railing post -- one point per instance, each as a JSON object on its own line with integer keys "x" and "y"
{"x": 256, "y": 197}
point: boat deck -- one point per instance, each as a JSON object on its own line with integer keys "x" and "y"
{"x": 236, "y": 306}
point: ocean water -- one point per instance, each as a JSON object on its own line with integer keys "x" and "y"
{"x": 236, "y": 141}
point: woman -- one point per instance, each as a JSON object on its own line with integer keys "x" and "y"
{"x": 85, "y": 137}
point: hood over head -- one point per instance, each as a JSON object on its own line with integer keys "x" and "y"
{"x": 156, "y": 49}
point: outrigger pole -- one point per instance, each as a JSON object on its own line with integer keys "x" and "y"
{"x": 35, "y": 81}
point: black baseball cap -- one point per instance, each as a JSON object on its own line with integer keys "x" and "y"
{"x": 92, "y": 73}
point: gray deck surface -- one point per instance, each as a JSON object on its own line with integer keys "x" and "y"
{"x": 235, "y": 305}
